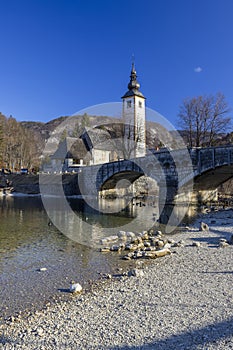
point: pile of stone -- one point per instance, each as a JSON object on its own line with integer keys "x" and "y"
{"x": 146, "y": 245}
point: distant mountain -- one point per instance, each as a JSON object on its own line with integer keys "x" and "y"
{"x": 56, "y": 129}
{"x": 43, "y": 129}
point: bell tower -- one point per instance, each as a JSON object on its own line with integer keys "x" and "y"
{"x": 134, "y": 118}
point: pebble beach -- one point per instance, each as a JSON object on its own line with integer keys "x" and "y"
{"x": 179, "y": 301}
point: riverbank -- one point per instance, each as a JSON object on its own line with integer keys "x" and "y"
{"x": 180, "y": 301}
{"x": 30, "y": 183}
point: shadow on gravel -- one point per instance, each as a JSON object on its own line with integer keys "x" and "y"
{"x": 218, "y": 272}
{"x": 190, "y": 340}
{"x": 64, "y": 290}
{"x": 5, "y": 340}
{"x": 213, "y": 241}
{"x": 222, "y": 234}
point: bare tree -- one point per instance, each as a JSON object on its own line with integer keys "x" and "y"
{"x": 2, "y": 137}
{"x": 18, "y": 147}
{"x": 127, "y": 138}
{"x": 202, "y": 118}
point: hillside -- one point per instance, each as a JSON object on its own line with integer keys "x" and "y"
{"x": 58, "y": 128}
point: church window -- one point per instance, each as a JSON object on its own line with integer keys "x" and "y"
{"x": 129, "y": 103}
{"x": 140, "y": 104}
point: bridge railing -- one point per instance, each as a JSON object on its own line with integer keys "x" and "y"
{"x": 204, "y": 159}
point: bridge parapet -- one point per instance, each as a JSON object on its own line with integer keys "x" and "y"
{"x": 204, "y": 159}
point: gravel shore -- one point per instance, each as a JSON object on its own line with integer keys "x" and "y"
{"x": 181, "y": 301}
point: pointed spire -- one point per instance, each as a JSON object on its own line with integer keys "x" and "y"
{"x": 133, "y": 85}
{"x": 133, "y": 64}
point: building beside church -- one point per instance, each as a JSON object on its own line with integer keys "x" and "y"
{"x": 97, "y": 145}
{"x": 94, "y": 146}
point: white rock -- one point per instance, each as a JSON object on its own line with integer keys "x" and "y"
{"x": 122, "y": 234}
{"x": 167, "y": 246}
{"x": 108, "y": 239}
{"x": 75, "y": 287}
{"x": 196, "y": 244}
{"x": 103, "y": 241}
{"x": 130, "y": 234}
{"x": 223, "y": 244}
{"x": 105, "y": 249}
{"x": 40, "y": 332}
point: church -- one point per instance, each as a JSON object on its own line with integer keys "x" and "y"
{"x": 97, "y": 145}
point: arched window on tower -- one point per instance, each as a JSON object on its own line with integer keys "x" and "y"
{"x": 129, "y": 104}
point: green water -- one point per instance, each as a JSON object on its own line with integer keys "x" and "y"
{"x": 28, "y": 243}
{"x": 67, "y": 248}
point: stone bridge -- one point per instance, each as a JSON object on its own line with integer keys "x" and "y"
{"x": 177, "y": 172}
{"x": 183, "y": 176}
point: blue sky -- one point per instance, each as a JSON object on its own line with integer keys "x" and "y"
{"x": 60, "y": 56}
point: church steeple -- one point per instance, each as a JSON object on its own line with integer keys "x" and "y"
{"x": 133, "y": 85}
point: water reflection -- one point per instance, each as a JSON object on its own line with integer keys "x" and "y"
{"x": 28, "y": 243}
{"x": 84, "y": 224}
{"x": 181, "y": 214}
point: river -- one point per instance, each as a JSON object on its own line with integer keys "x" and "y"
{"x": 28, "y": 243}
{"x": 32, "y": 238}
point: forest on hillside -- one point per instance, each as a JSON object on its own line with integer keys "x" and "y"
{"x": 18, "y": 145}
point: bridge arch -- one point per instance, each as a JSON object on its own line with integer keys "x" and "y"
{"x": 213, "y": 178}
{"x": 124, "y": 173}
{"x": 120, "y": 179}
